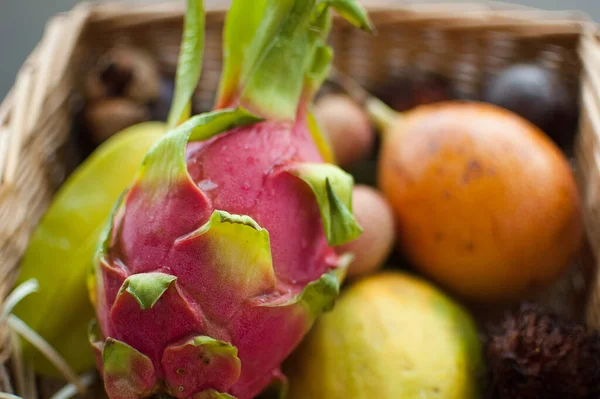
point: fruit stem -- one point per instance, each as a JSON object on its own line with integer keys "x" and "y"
{"x": 380, "y": 113}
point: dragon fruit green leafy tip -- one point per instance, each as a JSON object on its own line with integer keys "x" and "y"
{"x": 220, "y": 257}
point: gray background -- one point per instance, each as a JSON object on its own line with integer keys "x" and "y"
{"x": 22, "y": 25}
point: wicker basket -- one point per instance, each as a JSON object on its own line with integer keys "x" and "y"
{"x": 464, "y": 41}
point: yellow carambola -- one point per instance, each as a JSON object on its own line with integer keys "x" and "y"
{"x": 61, "y": 249}
{"x": 389, "y": 336}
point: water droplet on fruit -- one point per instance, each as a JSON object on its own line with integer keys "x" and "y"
{"x": 207, "y": 185}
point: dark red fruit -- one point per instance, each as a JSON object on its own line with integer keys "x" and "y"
{"x": 540, "y": 96}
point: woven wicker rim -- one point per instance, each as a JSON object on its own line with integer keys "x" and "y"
{"x": 20, "y": 111}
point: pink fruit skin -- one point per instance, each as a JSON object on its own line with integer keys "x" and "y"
{"x": 243, "y": 172}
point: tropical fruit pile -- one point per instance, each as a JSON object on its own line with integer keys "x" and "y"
{"x": 201, "y": 254}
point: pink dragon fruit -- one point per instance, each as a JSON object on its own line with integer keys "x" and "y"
{"x": 219, "y": 257}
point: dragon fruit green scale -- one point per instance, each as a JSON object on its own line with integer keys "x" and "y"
{"x": 219, "y": 258}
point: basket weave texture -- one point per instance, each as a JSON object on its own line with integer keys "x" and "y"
{"x": 466, "y": 42}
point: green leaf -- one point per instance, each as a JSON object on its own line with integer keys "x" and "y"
{"x": 273, "y": 84}
{"x": 320, "y": 66}
{"x": 343, "y": 226}
{"x": 239, "y": 251}
{"x": 273, "y": 20}
{"x": 320, "y": 295}
{"x": 287, "y": 52}
{"x": 127, "y": 373}
{"x": 222, "y": 121}
{"x": 220, "y": 348}
{"x": 351, "y": 10}
{"x": 164, "y": 165}
{"x": 147, "y": 288}
{"x": 189, "y": 66}
{"x": 223, "y": 218}
{"x": 118, "y": 355}
{"x": 333, "y": 190}
{"x": 241, "y": 24}
{"x": 320, "y": 23}
{"x": 317, "y": 296}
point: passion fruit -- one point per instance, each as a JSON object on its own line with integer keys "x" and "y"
{"x": 485, "y": 203}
